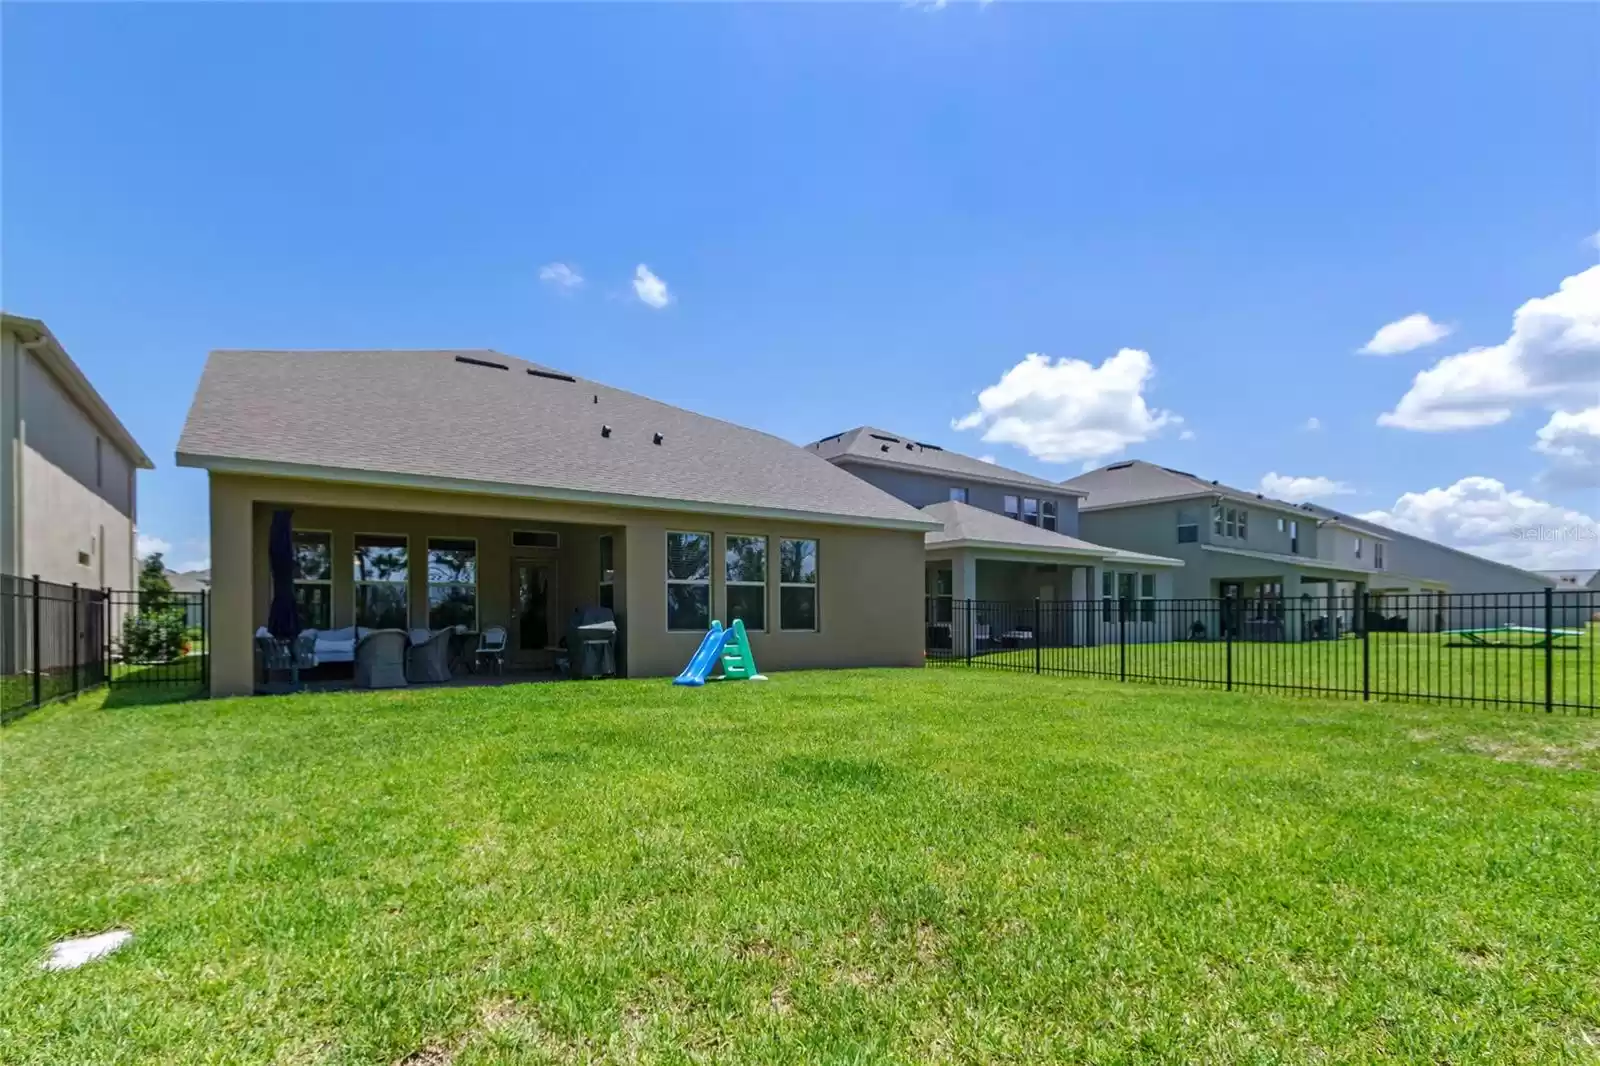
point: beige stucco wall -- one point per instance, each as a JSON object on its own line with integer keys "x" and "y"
{"x": 54, "y": 495}
{"x": 870, "y": 581}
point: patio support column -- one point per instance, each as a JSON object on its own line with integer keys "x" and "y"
{"x": 232, "y": 590}
{"x": 964, "y": 587}
{"x": 1294, "y": 624}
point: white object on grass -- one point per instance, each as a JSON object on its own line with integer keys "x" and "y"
{"x": 70, "y": 954}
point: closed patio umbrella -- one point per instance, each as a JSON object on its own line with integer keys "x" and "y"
{"x": 283, "y": 618}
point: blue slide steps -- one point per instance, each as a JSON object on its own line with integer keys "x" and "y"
{"x": 705, "y": 658}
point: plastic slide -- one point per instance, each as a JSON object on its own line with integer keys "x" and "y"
{"x": 705, "y": 657}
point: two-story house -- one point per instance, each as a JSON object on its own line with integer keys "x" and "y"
{"x": 1296, "y": 570}
{"x": 1008, "y": 538}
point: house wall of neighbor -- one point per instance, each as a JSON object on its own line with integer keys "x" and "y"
{"x": 870, "y": 581}
{"x": 920, "y": 489}
{"x": 64, "y": 517}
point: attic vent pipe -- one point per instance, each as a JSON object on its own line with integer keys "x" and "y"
{"x": 659, "y": 438}
{"x": 605, "y": 431}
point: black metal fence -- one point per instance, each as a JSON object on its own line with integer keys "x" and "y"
{"x": 57, "y": 641}
{"x": 1531, "y": 649}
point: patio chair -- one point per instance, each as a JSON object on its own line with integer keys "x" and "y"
{"x": 277, "y": 654}
{"x": 492, "y": 647}
{"x": 381, "y": 659}
{"x": 429, "y": 659}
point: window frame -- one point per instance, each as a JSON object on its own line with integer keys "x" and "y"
{"x": 1216, "y": 519}
{"x": 1358, "y": 547}
{"x": 1244, "y": 524}
{"x": 932, "y": 597}
{"x": 1294, "y": 536}
{"x": 1033, "y": 519}
{"x": 1231, "y": 523}
{"x": 607, "y": 585}
{"x": 815, "y": 585}
{"x": 1377, "y": 555}
{"x": 1011, "y": 506}
{"x": 729, "y": 583}
{"x": 356, "y": 583}
{"x": 1182, "y": 525}
{"x": 427, "y": 561}
{"x": 512, "y": 540}
{"x": 326, "y": 582}
{"x": 959, "y": 494}
{"x": 1145, "y": 602}
{"x": 1049, "y": 516}
{"x": 666, "y": 547}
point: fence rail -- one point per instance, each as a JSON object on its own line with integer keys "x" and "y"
{"x": 1533, "y": 649}
{"x": 57, "y": 641}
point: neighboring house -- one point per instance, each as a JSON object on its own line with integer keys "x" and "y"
{"x": 1008, "y": 537}
{"x": 1266, "y": 553}
{"x": 1573, "y": 580}
{"x": 68, "y": 467}
{"x": 191, "y": 584}
{"x": 431, "y": 488}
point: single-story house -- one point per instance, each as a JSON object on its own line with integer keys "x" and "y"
{"x": 470, "y": 488}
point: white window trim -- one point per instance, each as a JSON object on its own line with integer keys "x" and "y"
{"x": 1216, "y": 519}
{"x": 332, "y": 565}
{"x": 1049, "y": 510}
{"x": 1188, "y": 525}
{"x": 473, "y": 584}
{"x": 766, "y": 565}
{"x": 1008, "y": 510}
{"x": 1244, "y": 524}
{"x": 666, "y": 558}
{"x": 1024, "y": 512}
{"x": 356, "y": 583}
{"x": 816, "y": 608}
{"x": 959, "y": 494}
{"x": 1112, "y": 604}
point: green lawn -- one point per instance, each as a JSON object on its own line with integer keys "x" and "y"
{"x": 937, "y": 865}
{"x": 1425, "y": 665}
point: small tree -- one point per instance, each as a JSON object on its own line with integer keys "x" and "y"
{"x": 155, "y": 591}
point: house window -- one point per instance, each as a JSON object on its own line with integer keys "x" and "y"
{"x": 1147, "y": 597}
{"x": 452, "y": 583}
{"x": 745, "y": 571}
{"x": 958, "y": 494}
{"x": 1030, "y": 511}
{"x": 1231, "y": 525}
{"x": 1047, "y": 514}
{"x": 940, "y": 588}
{"x": 1377, "y": 555}
{"x": 688, "y": 581}
{"x": 1012, "y": 506}
{"x": 1188, "y": 528}
{"x": 797, "y": 585}
{"x": 1294, "y": 536}
{"x": 99, "y": 463}
{"x": 535, "y": 538}
{"x": 1244, "y": 524}
{"x": 608, "y": 572}
{"x": 313, "y": 578}
{"x": 1358, "y": 547}
{"x": 1216, "y": 519}
{"x": 382, "y": 572}
{"x": 1138, "y": 590}
{"x": 1280, "y": 525}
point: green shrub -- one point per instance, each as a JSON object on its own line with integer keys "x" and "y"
{"x": 154, "y": 637}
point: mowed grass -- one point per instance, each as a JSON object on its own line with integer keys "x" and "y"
{"x": 909, "y": 866}
{"x": 1426, "y": 666}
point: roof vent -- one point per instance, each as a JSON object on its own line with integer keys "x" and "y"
{"x": 884, "y": 436}
{"x": 883, "y": 447}
{"x": 659, "y": 438}
{"x": 597, "y": 397}
{"x": 910, "y": 446}
{"x": 605, "y": 431}
{"x": 1180, "y": 473}
{"x": 481, "y": 362}
{"x": 553, "y": 375}
{"x": 929, "y": 447}
{"x": 1119, "y": 466}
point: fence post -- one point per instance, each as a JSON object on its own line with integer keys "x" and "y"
{"x": 74, "y": 638}
{"x": 1366, "y": 647}
{"x": 37, "y": 691}
{"x": 1122, "y": 639}
{"x": 105, "y": 635}
{"x": 1227, "y": 636}
{"x": 205, "y": 637}
{"x": 1549, "y": 648}
{"x": 1036, "y": 636}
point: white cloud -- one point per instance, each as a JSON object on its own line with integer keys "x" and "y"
{"x": 147, "y": 545}
{"x": 1300, "y": 489}
{"x": 1572, "y": 441}
{"x": 1593, "y": 240}
{"x": 986, "y": 459}
{"x": 1406, "y": 335}
{"x": 1483, "y": 516}
{"x": 650, "y": 289}
{"x": 191, "y": 565}
{"x": 561, "y": 277}
{"x": 1312, "y": 424}
{"x": 1068, "y": 409}
{"x": 1551, "y": 359}
{"x": 1187, "y": 434}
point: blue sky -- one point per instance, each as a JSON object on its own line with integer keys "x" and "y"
{"x": 868, "y": 214}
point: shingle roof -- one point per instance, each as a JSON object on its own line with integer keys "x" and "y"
{"x": 1135, "y": 481}
{"x": 879, "y": 447}
{"x": 966, "y": 524}
{"x": 445, "y": 416}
